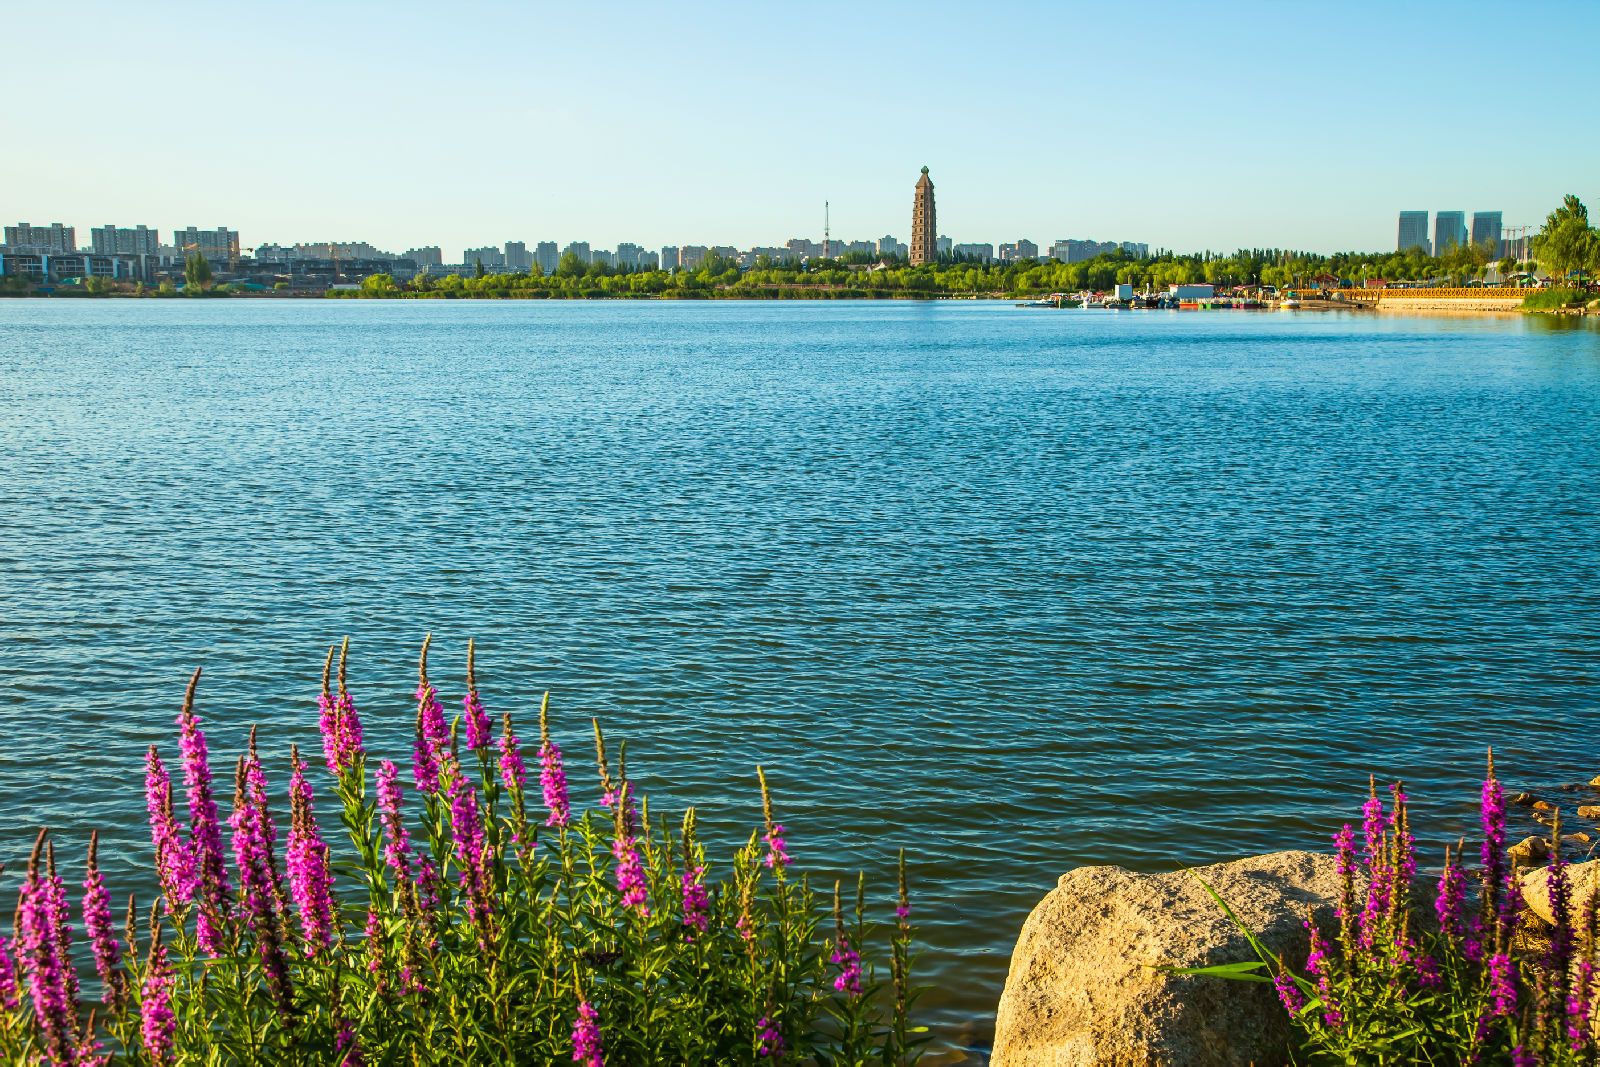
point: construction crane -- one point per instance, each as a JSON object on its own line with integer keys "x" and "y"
{"x": 827, "y": 233}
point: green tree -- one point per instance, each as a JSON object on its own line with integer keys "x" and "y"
{"x": 570, "y": 266}
{"x": 477, "y": 271}
{"x": 196, "y": 271}
{"x": 1567, "y": 242}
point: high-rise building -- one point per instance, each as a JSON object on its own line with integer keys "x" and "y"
{"x": 669, "y": 257}
{"x": 1413, "y": 232}
{"x": 630, "y": 256}
{"x": 488, "y": 255}
{"x": 1486, "y": 229}
{"x": 426, "y": 256}
{"x": 517, "y": 257}
{"x": 546, "y": 256}
{"x": 128, "y": 241}
{"x": 691, "y": 256}
{"x": 888, "y": 246}
{"x": 924, "y": 223}
{"x": 982, "y": 253}
{"x": 1449, "y": 229}
{"x": 579, "y": 249}
{"x": 54, "y": 238}
{"x": 1026, "y": 249}
{"x": 942, "y": 245}
{"x": 218, "y": 245}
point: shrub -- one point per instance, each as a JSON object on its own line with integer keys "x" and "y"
{"x": 1548, "y": 299}
{"x": 1451, "y": 980}
{"x": 458, "y": 926}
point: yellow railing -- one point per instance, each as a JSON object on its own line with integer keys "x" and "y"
{"x": 1373, "y": 296}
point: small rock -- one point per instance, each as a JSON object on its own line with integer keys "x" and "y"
{"x": 1595, "y": 781}
{"x": 1589, "y": 811}
{"x": 1529, "y": 851}
{"x": 1543, "y": 805}
{"x": 1524, "y": 799}
{"x": 1583, "y": 877}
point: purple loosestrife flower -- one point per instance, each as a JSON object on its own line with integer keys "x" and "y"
{"x": 1502, "y": 985}
{"x": 586, "y": 1045}
{"x": 174, "y": 860}
{"x": 1578, "y": 1029}
{"x": 253, "y": 858}
{"x": 432, "y": 745}
{"x": 1404, "y": 846}
{"x": 1450, "y": 903}
{"x": 97, "y": 925}
{"x": 553, "y": 780}
{"x": 347, "y": 1046}
{"x": 310, "y": 879}
{"x": 157, "y": 1023}
{"x": 777, "y": 856}
{"x": 630, "y": 871}
{"x": 466, "y": 827}
{"x": 205, "y": 833}
{"x": 1521, "y": 1057}
{"x": 696, "y": 901}
{"x": 396, "y": 842}
{"x": 1492, "y": 816}
{"x": 1319, "y": 966}
{"x": 849, "y": 962}
{"x": 49, "y": 988}
{"x": 10, "y": 998}
{"x": 1372, "y": 823}
{"x": 513, "y": 772}
{"x": 1289, "y": 993}
{"x": 342, "y": 745}
{"x": 769, "y": 1039}
{"x": 479, "y": 732}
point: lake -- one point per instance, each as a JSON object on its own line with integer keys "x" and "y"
{"x": 1015, "y": 590}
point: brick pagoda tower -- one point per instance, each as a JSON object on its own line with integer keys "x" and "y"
{"x": 923, "y": 226}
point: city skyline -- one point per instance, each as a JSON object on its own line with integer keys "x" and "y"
{"x": 328, "y": 128}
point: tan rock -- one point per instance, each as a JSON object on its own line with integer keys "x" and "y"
{"x": 1529, "y": 851}
{"x": 1583, "y": 877}
{"x": 1589, "y": 811}
{"x": 1084, "y": 988}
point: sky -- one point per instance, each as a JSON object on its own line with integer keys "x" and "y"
{"x": 462, "y": 123}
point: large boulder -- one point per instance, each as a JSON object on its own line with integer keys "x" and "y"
{"x": 1583, "y": 878}
{"x": 1085, "y": 987}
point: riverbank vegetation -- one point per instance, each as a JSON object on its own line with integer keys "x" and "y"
{"x": 474, "y": 914}
{"x": 1491, "y": 964}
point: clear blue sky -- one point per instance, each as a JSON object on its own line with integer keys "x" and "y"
{"x": 454, "y": 123}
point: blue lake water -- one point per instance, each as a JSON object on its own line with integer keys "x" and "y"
{"x": 1016, "y": 590}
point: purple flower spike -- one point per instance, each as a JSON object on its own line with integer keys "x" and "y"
{"x": 1289, "y": 993}
{"x": 1320, "y": 967}
{"x": 48, "y": 968}
{"x": 630, "y": 871}
{"x": 258, "y": 879}
{"x": 10, "y": 996}
{"x": 513, "y": 771}
{"x": 849, "y": 963}
{"x": 769, "y": 1039}
{"x": 97, "y": 925}
{"x": 696, "y": 901}
{"x": 553, "y": 780}
{"x": 158, "y": 1025}
{"x": 310, "y": 879}
{"x": 432, "y": 745}
{"x": 1502, "y": 984}
{"x": 1449, "y": 905}
{"x": 479, "y": 732}
{"x": 396, "y": 842}
{"x": 586, "y": 1045}
{"x": 777, "y": 854}
{"x": 174, "y": 860}
{"x": 205, "y": 833}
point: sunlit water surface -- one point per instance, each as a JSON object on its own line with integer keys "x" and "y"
{"x": 1016, "y": 590}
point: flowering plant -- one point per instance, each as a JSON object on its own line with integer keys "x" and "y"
{"x": 455, "y": 925}
{"x": 1406, "y": 979}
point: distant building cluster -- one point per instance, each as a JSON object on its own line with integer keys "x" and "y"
{"x": 1450, "y": 231}
{"x": 51, "y": 253}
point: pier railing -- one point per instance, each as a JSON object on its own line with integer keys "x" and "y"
{"x": 1394, "y": 295}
